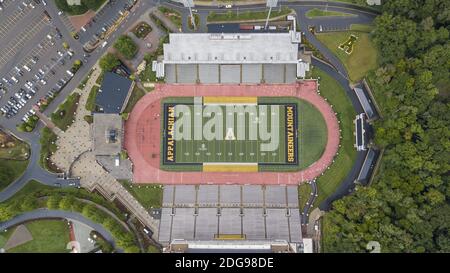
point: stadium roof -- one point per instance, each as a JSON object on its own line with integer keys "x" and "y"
{"x": 113, "y": 93}
{"x": 365, "y": 102}
{"x": 368, "y": 165}
{"x": 186, "y": 48}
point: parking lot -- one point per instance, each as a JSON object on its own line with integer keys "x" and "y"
{"x": 34, "y": 64}
{"x": 103, "y": 20}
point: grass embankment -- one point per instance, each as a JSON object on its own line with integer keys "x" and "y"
{"x": 49, "y": 236}
{"x": 135, "y": 96}
{"x": 90, "y": 103}
{"x": 10, "y": 170}
{"x": 173, "y": 15}
{"x": 14, "y": 156}
{"x": 336, "y": 96}
{"x": 246, "y": 16}
{"x": 364, "y": 55}
{"x": 325, "y": 13}
{"x": 48, "y": 146}
{"x": 63, "y": 117}
{"x": 304, "y": 192}
{"x": 149, "y": 196}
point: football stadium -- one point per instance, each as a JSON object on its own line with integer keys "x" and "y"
{"x": 242, "y": 134}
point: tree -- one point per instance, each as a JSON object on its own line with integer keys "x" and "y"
{"x": 108, "y": 62}
{"x": 66, "y": 203}
{"x": 406, "y": 208}
{"x": 126, "y": 46}
{"x": 29, "y": 203}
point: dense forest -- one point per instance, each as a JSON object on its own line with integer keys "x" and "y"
{"x": 407, "y": 207}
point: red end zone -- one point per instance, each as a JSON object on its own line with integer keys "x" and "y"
{"x": 143, "y": 135}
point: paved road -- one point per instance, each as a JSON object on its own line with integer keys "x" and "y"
{"x": 310, "y": 202}
{"x": 34, "y": 171}
{"x": 48, "y": 214}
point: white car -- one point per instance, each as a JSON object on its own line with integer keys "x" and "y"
{"x": 43, "y": 82}
{"x": 70, "y": 73}
{"x": 60, "y": 12}
{"x": 228, "y": 6}
{"x": 44, "y": 3}
{"x": 104, "y": 44}
{"x": 26, "y": 68}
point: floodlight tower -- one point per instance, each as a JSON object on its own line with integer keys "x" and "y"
{"x": 190, "y": 4}
{"x": 271, "y": 4}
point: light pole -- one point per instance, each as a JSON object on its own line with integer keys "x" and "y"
{"x": 271, "y": 4}
{"x": 189, "y": 4}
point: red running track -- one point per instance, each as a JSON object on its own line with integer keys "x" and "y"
{"x": 143, "y": 135}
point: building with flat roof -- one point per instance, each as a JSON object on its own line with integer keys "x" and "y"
{"x": 107, "y": 132}
{"x": 107, "y": 138}
{"x": 113, "y": 94}
{"x": 231, "y": 58}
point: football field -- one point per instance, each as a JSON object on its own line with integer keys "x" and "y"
{"x": 214, "y": 133}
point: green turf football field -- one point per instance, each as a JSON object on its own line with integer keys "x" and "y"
{"x": 311, "y": 141}
{"x": 200, "y": 151}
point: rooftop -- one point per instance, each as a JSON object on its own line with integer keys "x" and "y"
{"x": 113, "y": 93}
{"x": 107, "y": 134}
{"x": 230, "y": 48}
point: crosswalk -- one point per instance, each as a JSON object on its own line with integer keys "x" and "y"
{"x": 67, "y": 23}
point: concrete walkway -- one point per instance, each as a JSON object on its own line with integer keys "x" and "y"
{"x": 94, "y": 177}
{"x": 76, "y": 139}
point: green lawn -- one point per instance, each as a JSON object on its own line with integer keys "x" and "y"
{"x": 90, "y": 103}
{"x": 4, "y": 236}
{"x": 63, "y": 117}
{"x": 149, "y": 196}
{"x": 85, "y": 80}
{"x": 336, "y": 96}
{"x": 49, "y": 236}
{"x": 13, "y": 148}
{"x": 313, "y": 134}
{"x": 135, "y": 96}
{"x": 148, "y": 75}
{"x": 48, "y": 146}
{"x": 10, "y": 170}
{"x": 321, "y": 13}
{"x": 304, "y": 192}
{"x": 172, "y": 14}
{"x": 100, "y": 77}
{"x": 362, "y": 28}
{"x": 361, "y": 60}
{"x": 246, "y": 15}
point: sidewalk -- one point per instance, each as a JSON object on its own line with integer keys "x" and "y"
{"x": 76, "y": 139}
{"x": 48, "y": 122}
